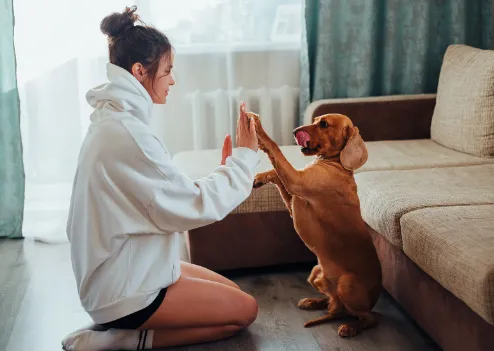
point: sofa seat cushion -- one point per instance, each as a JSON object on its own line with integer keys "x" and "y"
{"x": 464, "y": 113}
{"x": 383, "y": 155}
{"x": 455, "y": 246}
{"x": 385, "y": 196}
{"x": 414, "y": 154}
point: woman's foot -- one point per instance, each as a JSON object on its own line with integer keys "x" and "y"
{"x": 112, "y": 339}
{"x": 92, "y": 326}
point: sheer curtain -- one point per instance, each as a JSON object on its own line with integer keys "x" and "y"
{"x": 225, "y": 51}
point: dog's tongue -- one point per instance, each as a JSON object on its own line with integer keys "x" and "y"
{"x": 302, "y": 138}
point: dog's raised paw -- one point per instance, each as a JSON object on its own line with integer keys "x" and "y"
{"x": 347, "y": 331}
{"x": 257, "y": 184}
{"x": 259, "y": 181}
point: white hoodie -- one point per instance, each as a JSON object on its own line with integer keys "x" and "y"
{"x": 129, "y": 201}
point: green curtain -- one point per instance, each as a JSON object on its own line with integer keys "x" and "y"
{"x": 356, "y": 48}
{"x": 11, "y": 163}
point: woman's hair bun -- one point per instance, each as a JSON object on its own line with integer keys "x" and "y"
{"x": 116, "y": 24}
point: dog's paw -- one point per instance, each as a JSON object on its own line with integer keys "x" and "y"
{"x": 257, "y": 120}
{"x": 261, "y": 179}
{"x": 262, "y": 137}
{"x": 258, "y": 183}
{"x": 313, "y": 304}
{"x": 347, "y": 331}
{"x": 305, "y": 304}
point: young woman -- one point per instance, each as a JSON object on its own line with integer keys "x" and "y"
{"x": 129, "y": 201}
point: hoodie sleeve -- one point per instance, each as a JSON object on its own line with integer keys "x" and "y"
{"x": 173, "y": 201}
{"x": 181, "y": 204}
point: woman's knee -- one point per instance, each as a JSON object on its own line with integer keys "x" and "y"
{"x": 194, "y": 271}
{"x": 234, "y": 285}
{"x": 230, "y": 283}
{"x": 253, "y": 311}
{"x": 249, "y": 310}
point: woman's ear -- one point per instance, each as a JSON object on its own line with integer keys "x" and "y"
{"x": 354, "y": 154}
{"x": 139, "y": 72}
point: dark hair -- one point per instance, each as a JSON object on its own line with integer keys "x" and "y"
{"x": 130, "y": 43}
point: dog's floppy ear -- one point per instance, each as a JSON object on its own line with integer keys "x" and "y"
{"x": 354, "y": 154}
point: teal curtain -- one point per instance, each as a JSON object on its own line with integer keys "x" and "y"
{"x": 356, "y": 48}
{"x": 11, "y": 163}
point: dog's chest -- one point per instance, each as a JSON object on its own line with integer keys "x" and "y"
{"x": 301, "y": 207}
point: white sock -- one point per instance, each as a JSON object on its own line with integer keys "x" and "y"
{"x": 111, "y": 339}
{"x": 92, "y": 326}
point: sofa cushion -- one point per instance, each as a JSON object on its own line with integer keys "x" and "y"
{"x": 383, "y": 155}
{"x": 415, "y": 154}
{"x": 463, "y": 118}
{"x": 455, "y": 245}
{"x": 385, "y": 196}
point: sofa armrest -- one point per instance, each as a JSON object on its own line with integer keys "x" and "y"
{"x": 396, "y": 117}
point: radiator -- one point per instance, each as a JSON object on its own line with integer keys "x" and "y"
{"x": 215, "y": 113}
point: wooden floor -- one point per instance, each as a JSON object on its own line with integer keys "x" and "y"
{"x": 39, "y": 306}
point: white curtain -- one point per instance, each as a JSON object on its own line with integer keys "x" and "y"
{"x": 225, "y": 50}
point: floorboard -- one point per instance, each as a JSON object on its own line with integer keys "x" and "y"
{"x": 14, "y": 279}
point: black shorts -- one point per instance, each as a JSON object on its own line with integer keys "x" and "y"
{"x": 136, "y": 319}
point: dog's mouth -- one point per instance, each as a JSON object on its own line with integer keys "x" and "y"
{"x": 303, "y": 139}
{"x": 310, "y": 151}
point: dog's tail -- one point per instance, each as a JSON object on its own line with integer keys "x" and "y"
{"x": 326, "y": 318}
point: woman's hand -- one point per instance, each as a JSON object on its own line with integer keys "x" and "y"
{"x": 246, "y": 130}
{"x": 227, "y": 149}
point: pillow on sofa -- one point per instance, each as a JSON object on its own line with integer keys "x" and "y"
{"x": 463, "y": 118}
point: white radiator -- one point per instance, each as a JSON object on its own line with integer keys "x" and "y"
{"x": 215, "y": 113}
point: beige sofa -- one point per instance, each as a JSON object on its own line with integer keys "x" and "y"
{"x": 426, "y": 192}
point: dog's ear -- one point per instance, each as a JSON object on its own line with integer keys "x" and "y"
{"x": 354, "y": 154}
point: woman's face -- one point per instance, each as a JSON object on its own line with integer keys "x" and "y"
{"x": 158, "y": 90}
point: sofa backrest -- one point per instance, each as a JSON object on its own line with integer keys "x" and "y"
{"x": 391, "y": 117}
{"x": 463, "y": 117}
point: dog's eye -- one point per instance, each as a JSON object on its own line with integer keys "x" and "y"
{"x": 323, "y": 124}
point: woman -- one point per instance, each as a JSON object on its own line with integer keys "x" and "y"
{"x": 129, "y": 201}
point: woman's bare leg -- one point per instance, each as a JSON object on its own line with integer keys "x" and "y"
{"x": 189, "y": 336}
{"x": 194, "y": 311}
{"x": 197, "y": 310}
{"x": 194, "y": 271}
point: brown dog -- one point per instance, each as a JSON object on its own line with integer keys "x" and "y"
{"x": 323, "y": 202}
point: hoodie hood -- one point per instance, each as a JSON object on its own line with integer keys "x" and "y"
{"x": 123, "y": 93}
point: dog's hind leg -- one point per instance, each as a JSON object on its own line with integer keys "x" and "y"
{"x": 365, "y": 320}
{"x": 315, "y": 303}
{"x": 358, "y": 302}
{"x": 314, "y": 275}
{"x": 311, "y": 303}
{"x": 336, "y": 310}
{"x": 331, "y": 301}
